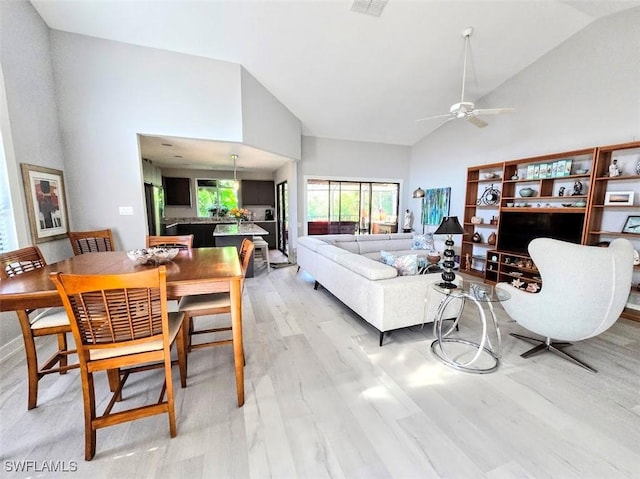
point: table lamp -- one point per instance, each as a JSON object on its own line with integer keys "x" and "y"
{"x": 450, "y": 226}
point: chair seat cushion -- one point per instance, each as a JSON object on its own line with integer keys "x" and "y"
{"x": 175, "y": 321}
{"x": 204, "y": 301}
{"x": 50, "y": 318}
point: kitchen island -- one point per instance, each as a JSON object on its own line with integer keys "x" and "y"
{"x": 232, "y": 235}
{"x": 202, "y": 229}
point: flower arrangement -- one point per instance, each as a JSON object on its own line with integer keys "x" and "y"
{"x": 239, "y": 213}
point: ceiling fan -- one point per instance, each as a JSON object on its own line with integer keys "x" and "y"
{"x": 466, "y": 109}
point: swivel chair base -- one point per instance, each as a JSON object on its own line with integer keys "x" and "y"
{"x": 555, "y": 348}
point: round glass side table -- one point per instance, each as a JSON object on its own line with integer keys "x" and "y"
{"x": 455, "y": 351}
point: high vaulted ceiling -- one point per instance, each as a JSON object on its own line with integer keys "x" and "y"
{"x": 344, "y": 74}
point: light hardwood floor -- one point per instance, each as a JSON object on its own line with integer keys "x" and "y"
{"x": 324, "y": 401}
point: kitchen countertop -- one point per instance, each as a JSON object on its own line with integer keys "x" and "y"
{"x": 230, "y": 220}
{"x": 245, "y": 229}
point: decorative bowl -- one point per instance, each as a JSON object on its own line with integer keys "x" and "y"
{"x": 581, "y": 171}
{"x": 526, "y": 192}
{"x": 567, "y": 205}
{"x": 433, "y": 257}
{"x": 152, "y": 256}
{"x": 490, "y": 176}
{"x": 510, "y": 205}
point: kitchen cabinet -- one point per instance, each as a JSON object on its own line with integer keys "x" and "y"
{"x": 257, "y": 193}
{"x": 270, "y": 226}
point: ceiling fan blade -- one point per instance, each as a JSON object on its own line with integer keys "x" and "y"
{"x": 493, "y": 111}
{"x": 434, "y": 117}
{"x": 474, "y": 120}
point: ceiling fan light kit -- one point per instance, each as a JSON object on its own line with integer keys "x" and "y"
{"x": 466, "y": 109}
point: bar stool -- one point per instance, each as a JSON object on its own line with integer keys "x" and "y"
{"x": 262, "y": 246}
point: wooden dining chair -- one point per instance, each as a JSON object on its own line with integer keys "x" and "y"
{"x": 91, "y": 241}
{"x": 38, "y": 323}
{"x": 121, "y": 324}
{"x": 179, "y": 241}
{"x": 212, "y": 303}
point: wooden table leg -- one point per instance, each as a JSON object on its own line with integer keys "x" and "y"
{"x": 236, "y": 322}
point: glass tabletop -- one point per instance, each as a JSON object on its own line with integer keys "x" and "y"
{"x": 478, "y": 291}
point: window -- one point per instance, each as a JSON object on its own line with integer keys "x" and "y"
{"x": 8, "y": 240}
{"x": 353, "y": 207}
{"x": 216, "y": 197}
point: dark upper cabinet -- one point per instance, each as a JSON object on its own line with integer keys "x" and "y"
{"x": 177, "y": 191}
{"x": 258, "y": 193}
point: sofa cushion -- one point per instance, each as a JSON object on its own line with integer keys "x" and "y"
{"x": 386, "y": 257}
{"x": 365, "y": 267}
{"x": 374, "y": 237}
{"x": 331, "y": 252}
{"x": 311, "y": 242}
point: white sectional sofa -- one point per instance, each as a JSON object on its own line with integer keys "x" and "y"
{"x": 349, "y": 267}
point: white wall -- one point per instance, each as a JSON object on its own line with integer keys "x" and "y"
{"x": 109, "y": 92}
{"x": 584, "y": 93}
{"x": 267, "y": 124}
{"x": 342, "y": 159}
{"x": 29, "y": 124}
{"x": 31, "y": 106}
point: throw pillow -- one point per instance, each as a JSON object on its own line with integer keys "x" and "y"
{"x": 407, "y": 265}
{"x": 387, "y": 258}
{"x": 424, "y": 241}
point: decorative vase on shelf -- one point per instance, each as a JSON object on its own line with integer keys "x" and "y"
{"x": 238, "y": 222}
{"x": 526, "y": 192}
{"x": 491, "y": 239}
{"x": 476, "y": 238}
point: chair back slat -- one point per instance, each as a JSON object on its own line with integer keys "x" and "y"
{"x": 113, "y": 309}
{"x": 176, "y": 241}
{"x": 20, "y": 261}
{"x": 91, "y": 241}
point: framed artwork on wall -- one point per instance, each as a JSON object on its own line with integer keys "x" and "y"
{"x": 435, "y": 205}
{"x": 46, "y": 202}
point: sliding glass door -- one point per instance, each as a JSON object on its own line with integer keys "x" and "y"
{"x": 352, "y": 207}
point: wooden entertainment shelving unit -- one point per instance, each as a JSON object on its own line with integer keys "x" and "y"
{"x": 602, "y": 221}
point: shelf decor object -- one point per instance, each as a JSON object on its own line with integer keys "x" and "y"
{"x": 450, "y": 226}
{"x": 619, "y": 198}
{"x": 632, "y": 225}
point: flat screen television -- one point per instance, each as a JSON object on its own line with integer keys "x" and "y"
{"x": 518, "y": 229}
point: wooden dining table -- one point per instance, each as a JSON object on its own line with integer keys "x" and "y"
{"x": 194, "y": 271}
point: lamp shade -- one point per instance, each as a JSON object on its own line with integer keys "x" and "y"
{"x": 449, "y": 226}
{"x": 418, "y": 193}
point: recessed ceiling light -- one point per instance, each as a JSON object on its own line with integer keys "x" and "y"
{"x": 369, "y": 7}
{"x": 166, "y": 144}
{"x": 177, "y": 156}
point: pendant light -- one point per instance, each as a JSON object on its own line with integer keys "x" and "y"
{"x": 236, "y": 183}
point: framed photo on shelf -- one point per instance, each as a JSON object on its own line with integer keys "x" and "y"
{"x": 618, "y": 198}
{"x": 45, "y": 195}
{"x": 632, "y": 225}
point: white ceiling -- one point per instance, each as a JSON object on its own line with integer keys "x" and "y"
{"x": 344, "y": 74}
